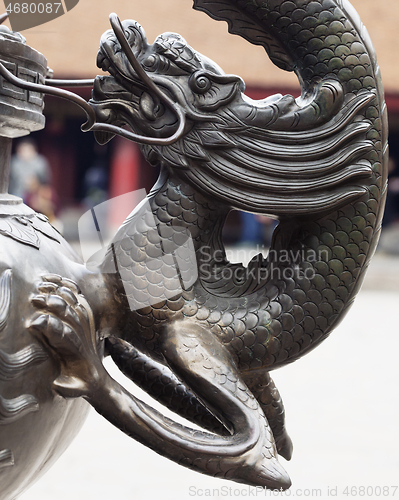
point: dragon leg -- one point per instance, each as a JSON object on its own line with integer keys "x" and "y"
{"x": 263, "y": 388}
{"x": 198, "y": 358}
{"x": 65, "y": 323}
{"x": 157, "y": 380}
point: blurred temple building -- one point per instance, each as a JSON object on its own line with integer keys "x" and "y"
{"x": 70, "y": 44}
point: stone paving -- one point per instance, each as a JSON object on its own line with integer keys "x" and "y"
{"x": 342, "y": 411}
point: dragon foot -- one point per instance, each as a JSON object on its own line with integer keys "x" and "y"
{"x": 65, "y": 322}
{"x": 268, "y": 396}
{"x": 162, "y": 384}
{"x": 198, "y": 358}
{"x": 284, "y": 446}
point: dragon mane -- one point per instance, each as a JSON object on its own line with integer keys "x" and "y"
{"x": 270, "y": 171}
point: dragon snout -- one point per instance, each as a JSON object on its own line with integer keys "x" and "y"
{"x": 104, "y": 113}
{"x": 98, "y": 93}
{"x": 102, "y": 61}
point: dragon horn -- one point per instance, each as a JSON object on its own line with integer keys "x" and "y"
{"x": 105, "y": 127}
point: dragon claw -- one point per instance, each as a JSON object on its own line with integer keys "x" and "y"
{"x": 284, "y": 446}
{"x": 39, "y": 301}
{"x": 65, "y": 306}
{"x": 40, "y": 323}
{"x": 68, "y": 295}
{"x": 52, "y": 278}
{"x": 66, "y": 322}
{"x": 57, "y": 304}
{"x": 71, "y": 285}
{"x": 57, "y": 280}
{"x": 45, "y": 287}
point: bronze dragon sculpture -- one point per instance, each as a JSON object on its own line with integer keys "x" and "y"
{"x": 203, "y": 336}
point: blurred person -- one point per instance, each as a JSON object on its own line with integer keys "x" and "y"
{"x": 27, "y": 168}
{"x": 30, "y": 178}
{"x": 41, "y": 197}
{"x": 96, "y": 184}
{"x": 256, "y": 229}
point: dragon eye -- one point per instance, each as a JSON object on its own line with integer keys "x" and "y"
{"x": 151, "y": 61}
{"x": 199, "y": 83}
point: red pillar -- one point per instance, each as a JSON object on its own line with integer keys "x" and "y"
{"x": 124, "y": 176}
{"x": 125, "y": 165}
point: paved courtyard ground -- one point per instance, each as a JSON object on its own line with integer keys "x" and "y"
{"x": 342, "y": 404}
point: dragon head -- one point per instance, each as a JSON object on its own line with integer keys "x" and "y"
{"x": 278, "y": 156}
{"x": 192, "y": 80}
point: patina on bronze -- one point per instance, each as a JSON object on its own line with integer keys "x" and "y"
{"x": 317, "y": 163}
